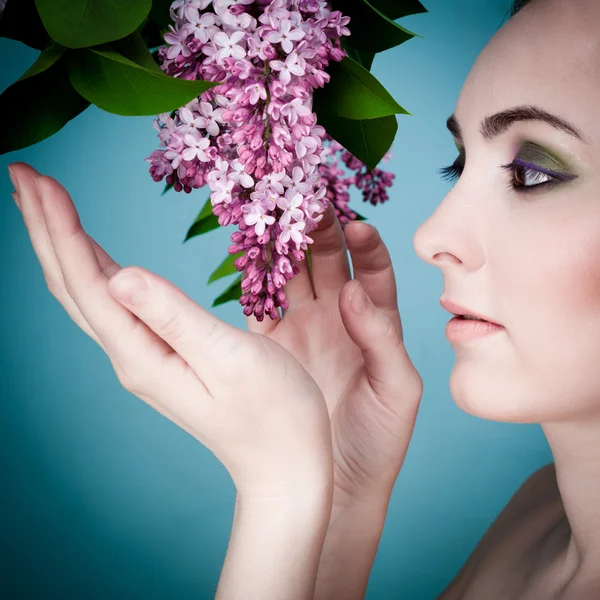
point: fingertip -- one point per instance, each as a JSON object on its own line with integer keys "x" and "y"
{"x": 328, "y": 217}
{"x": 359, "y": 233}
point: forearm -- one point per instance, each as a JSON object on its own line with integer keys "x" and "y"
{"x": 274, "y": 548}
{"x": 349, "y": 550}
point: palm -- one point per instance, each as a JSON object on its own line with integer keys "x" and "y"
{"x": 369, "y": 438}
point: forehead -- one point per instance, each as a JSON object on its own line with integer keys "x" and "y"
{"x": 547, "y": 55}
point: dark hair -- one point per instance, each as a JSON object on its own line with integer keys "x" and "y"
{"x": 517, "y": 6}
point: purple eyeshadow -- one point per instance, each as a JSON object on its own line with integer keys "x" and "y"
{"x": 534, "y": 167}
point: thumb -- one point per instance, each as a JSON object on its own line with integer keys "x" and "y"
{"x": 389, "y": 368}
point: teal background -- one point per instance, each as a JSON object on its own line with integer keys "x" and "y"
{"x": 100, "y": 496}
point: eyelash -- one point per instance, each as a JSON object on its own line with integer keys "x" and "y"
{"x": 453, "y": 172}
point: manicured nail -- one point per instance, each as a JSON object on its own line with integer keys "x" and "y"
{"x": 359, "y": 299}
{"x": 129, "y": 287}
{"x": 15, "y": 197}
{"x": 13, "y": 179}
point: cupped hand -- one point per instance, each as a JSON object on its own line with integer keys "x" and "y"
{"x": 239, "y": 393}
{"x": 354, "y": 350}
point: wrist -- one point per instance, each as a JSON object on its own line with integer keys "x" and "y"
{"x": 275, "y": 546}
{"x": 299, "y": 496}
{"x": 350, "y": 546}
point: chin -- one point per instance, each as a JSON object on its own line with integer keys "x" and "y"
{"x": 495, "y": 387}
{"x": 498, "y": 399}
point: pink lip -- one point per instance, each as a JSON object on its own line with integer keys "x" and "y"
{"x": 465, "y": 330}
{"x": 456, "y": 309}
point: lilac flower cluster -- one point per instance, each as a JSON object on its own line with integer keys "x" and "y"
{"x": 373, "y": 184}
{"x": 254, "y": 139}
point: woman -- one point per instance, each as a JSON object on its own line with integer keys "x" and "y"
{"x": 314, "y": 460}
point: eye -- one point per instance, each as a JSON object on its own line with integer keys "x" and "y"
{"x": 525, "y": 175}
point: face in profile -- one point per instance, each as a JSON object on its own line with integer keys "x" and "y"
{"x": 517, "y": 238}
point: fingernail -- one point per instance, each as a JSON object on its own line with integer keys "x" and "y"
{"x": 13, "y": 179}
{"x": 15, "y": 197}
{"x": 359, "y": 299}
{"x": 129, "y": 287}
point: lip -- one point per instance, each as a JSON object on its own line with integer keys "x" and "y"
{"x": 456, "y": 309}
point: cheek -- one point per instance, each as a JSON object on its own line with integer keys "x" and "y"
{"x": 546, "y": 365}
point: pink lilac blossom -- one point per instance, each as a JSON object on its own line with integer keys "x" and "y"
{"x": 254, "y": 139}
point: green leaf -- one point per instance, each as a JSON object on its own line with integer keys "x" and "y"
{"x": 168, "y": 186}
{"x": 118, "y": 85}
{"x": 396, "y": 9}
{"x": 225, "y": 268}
{"x": 367, "y": 140}
{"x": 20, "y": 21}
{"x": 152, "y": 33}
{"x": 45, "y": 60}
{"x": 84, "y": 23}
{"x": 362, "y": 57}
{"x": 38, "y": 107}
{"x": 203, "y": 226}
{"x": 371, "y": 30}
{"x": 359, "y": 217}
{"x": 205, "y": 222}
{"x": 233, "y": 292}
{"x": 206, "y": 210}
{"x": 160, "y": 12}
{"x": 134, "y": 48}
{"x": 354, "y": 93}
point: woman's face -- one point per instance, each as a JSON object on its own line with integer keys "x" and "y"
{"x": 527, "y": 258}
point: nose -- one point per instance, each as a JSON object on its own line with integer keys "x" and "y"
{"x": 449, "y": 236}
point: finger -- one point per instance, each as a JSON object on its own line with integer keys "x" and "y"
{"x": 389, "y": 368}
{"x": 87, "y": 284}
{"x": 107, "y": 264}
{"x": 33, "y": 217}
{"x": 145, "y": 364}
{"x": 329, "y": 255}
{"x": 215, "y": 350}
{"x": 299, "y": 289}
{"x": 372, "y": 266}
{"x": 264, "y": 327}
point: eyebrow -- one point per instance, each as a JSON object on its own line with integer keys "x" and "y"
{"x": 496, "y": 124}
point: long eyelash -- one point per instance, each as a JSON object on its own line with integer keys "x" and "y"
{"x": 538, "y": 172}
{"x": 453, "y": 172}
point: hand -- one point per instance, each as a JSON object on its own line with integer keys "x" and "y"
{"x": 359, "y": 361}
{"x": 239, "y": 393}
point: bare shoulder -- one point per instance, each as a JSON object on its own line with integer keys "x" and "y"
{"x": 540, "y": 489}
{"x": 521, "y": 522}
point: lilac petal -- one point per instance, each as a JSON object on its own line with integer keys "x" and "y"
{"x": 285, "y": 76}
{"x": 246, "y": 180}
{"x": 222, "y": 39}
{"x": 213, "y": 128}
{"x": 260, "y": 227}
{"x": 173, "y": 51}
{"x": 237, "y": 36}
{"x": 273, "y": 36}
{"x": 296, "y": 70}
{"x": 189, "y": 153}
{"x": 238, "y": 52}
{"x": 190, "y": 140}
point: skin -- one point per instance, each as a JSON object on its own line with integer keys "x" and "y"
{"x": 531, "y": 263}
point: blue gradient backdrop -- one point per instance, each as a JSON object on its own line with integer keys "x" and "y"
{"x": 100, "y": 496}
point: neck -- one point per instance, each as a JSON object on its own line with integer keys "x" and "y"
{"x": 576, "y": 450}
